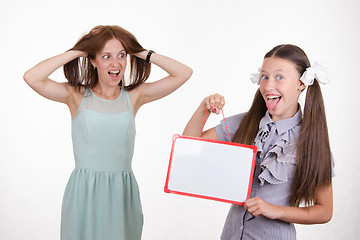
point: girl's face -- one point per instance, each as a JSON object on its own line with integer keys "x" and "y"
{"x": 280, "y": 87}
{"x": 110, "y": 63}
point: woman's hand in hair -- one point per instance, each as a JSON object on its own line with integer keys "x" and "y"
{"x": 82, "y": 54}
{"x": 178, "y": 74}
{"x": 38, "y": 78}
{"x": 214, "y": 103}
{"x": 79, "y": 53}
{"x": 141, "y": 55}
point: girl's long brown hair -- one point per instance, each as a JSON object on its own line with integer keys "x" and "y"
{"x": 80, "y": 72}
{"x": 313, "y": 156}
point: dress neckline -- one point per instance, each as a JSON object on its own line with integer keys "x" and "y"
{"x": 107, "y": 100}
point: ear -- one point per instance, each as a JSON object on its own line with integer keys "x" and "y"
{"x": 93, "y": 62}
{"x": 301, "y": 86}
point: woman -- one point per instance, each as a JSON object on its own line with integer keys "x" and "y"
{"x": 101, "y": 200}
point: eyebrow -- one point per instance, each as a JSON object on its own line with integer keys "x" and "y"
{"x": 277, "y": 70}
{"x": 123, "y": 50}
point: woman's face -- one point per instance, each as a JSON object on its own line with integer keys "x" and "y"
{"x": 280, "y": 87}
{"x": 110, "y": 63}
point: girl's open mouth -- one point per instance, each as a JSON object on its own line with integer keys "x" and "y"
{"x": 272, "y": 101}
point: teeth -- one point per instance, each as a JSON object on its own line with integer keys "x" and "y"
{"x": 115, "y": 72}
{"x": 273, "y": 97}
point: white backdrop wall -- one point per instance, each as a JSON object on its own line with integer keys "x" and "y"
{"x": 224, "y": 42}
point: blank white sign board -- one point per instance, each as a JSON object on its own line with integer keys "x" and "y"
{"x": 216, "y": 170}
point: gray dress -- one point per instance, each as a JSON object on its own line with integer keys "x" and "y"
{"x": 273, "y": 177}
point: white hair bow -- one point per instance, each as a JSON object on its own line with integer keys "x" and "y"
{"x": 255, "y": 77}
{"x": 317, "y": 70}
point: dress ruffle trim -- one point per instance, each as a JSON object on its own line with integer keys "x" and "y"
{"x": 274, "y": 167}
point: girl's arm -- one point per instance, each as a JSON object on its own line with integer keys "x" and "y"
{"x": 213, "y": 103}
{"x": 147, "y": 92}
{"x": 38, "y": 77}
{"x": 320, "y": 212}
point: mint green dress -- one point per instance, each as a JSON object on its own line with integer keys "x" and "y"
{"x": 101, "y": 200}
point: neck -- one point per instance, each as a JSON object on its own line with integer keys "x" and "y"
{"x": 109, "y": 93}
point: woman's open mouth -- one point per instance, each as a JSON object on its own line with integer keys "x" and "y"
{"x": 114, "y": 74}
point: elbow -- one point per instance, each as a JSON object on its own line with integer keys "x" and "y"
{"x": 183, "y": 75}
{"x": 187, "y": 73}
{"x": 30, "y": 78}
{"x": 325, "y": 218}
{"x": 27, "y": 77}
{"x": 190, "y": 72}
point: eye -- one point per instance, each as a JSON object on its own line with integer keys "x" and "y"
{"x": 263, "y": 77}
{"x": 278, "y": 77}
{"x": 121, "y": 55}
{"x": 106, "y": 56}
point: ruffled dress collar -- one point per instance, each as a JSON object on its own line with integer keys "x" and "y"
{"x": 276, "y": 143}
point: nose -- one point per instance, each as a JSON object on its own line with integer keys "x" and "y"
{"x": 115, "y": 63}
{"x": 268, "y": 84}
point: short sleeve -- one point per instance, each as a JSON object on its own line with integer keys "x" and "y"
{"x": 232, "y": 123}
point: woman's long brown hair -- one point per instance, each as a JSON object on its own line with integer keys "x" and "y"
{"x": 313, "y": 156}
{"x": 80, "y": 72}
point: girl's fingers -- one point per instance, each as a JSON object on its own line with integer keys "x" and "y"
{"x": 215, "y": 103}
{"x": 207, "y": 103}
{"x": 214, "y": 109}
{"x": 252, "y": 207}
{"x": 252, "y": 211}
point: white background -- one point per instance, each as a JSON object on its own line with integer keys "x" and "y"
{"x": 224, "y": 42}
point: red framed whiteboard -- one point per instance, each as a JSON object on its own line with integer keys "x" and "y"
{"x": 209, "y": 169}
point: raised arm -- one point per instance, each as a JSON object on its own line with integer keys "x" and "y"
{"x": 147, "y": 92}
{"x": 320, "y": 212}
{"x": 213, "y": 103}
{"x": 38, "y": 77}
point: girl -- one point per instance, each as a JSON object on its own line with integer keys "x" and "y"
{"x": 101, "y": 200}
{"x": 293, "y": 163}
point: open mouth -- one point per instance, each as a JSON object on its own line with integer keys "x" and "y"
{"x": 272, "y": 101}
{"x": 114, "y": 74}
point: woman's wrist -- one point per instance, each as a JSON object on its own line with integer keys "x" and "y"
{"x": 77, "y": 53}
{"x": 205, "y": 106}
{"x": 148, "y": 56}
{"x": 145, "y": 55}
